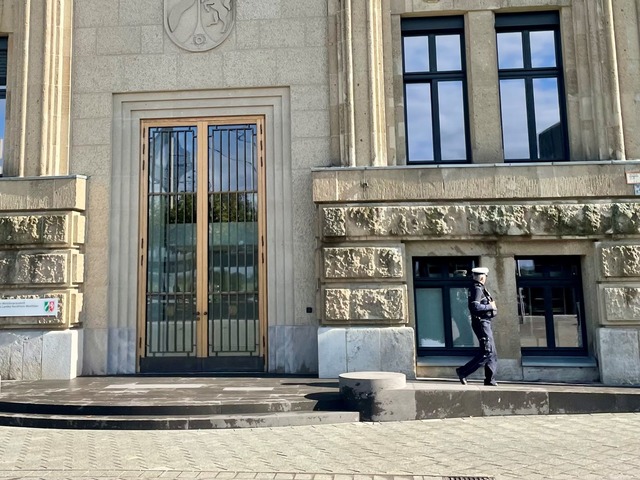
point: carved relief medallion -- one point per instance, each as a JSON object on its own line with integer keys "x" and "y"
{"x": 199, "y": 25}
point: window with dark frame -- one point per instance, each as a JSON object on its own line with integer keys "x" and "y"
{"x": 550, "y": 306}
{"x": 435, "y": 90}
{"x": 534, "y": 126}
{"x": 3, "y": 96}
{"x": 443, "y": 322}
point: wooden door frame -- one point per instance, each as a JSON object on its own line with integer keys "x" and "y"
{"x": 201, "y": 123}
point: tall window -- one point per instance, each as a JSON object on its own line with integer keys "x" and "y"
{"x": 550, "y": 306}
{"x": 532, "y": 102}
{"x": 435, "y": 90}
{"x": 443, "y": 322}
{"x": 3, "y": 95}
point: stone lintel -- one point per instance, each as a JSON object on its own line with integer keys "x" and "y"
{"x": 570, "y": 220}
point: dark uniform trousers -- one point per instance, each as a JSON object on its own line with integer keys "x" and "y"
{"x": 487, "y": 355}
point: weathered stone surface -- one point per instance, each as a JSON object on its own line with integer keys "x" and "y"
{"x": 20, "y": 268}
{"x": 557, "y": 220}
{"x": 366, "y": 305}
{"x": 334, "y": 222}
{"x": 622, "y": 304}
{"x": 498, "y": 220}
{"x": 363, "y": 262}
{"x": 33, "y": 229}
{"x": 621, "y": 261}
{"x": 618, "y": 356}
{"x": 627, "y": 218}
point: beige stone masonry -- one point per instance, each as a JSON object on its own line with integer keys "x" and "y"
{"x": 487, "y": 182}
{"x": 41, "y": 229}
{"x": 620, "y": 260}
{"x": 368, "y": 262}
{"x": 373, "y": 306}
{"x": 43, "y": 193}
{"x": 28, "y": 269}
{"x": 437, "y": 221}
{"x": 69, "y": 308}
{"x": 622, "y": 304}
{"x": 38, "y": 88}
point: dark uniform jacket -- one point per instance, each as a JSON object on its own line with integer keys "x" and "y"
{"x": 479, "y": 303}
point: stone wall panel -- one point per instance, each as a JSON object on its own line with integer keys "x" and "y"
{"x": 621, "y": 260}
{"x": 363, "y": 262}
{"x": 415, "y": 221}
{"x": 622, "y": 304}
{"x": 383, "y": 306}
{"x": 26, "y": 268}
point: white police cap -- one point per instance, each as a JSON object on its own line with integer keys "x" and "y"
{"x": 480, "y": 271}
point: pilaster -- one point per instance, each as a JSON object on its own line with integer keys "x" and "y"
{"x": 39, "y": 89}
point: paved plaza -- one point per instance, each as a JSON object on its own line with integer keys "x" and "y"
{"x": 602, "y": 446}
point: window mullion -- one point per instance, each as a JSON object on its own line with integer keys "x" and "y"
{"x": 531, "y": 118}
{"x": 446, "y": 317}
{"x": 435, "y": 122}
{"x": 548, "y": 316}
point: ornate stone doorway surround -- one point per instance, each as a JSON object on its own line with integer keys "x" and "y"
{"x": 128, "y": 111}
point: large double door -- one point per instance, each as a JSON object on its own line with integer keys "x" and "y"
{"x": 202, "y": 291}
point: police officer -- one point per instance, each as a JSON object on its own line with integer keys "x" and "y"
{"x": 483, "y": 310}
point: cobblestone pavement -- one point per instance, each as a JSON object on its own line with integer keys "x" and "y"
{"x": 604, "y": 446}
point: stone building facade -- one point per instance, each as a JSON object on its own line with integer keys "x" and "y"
{"x": 360, "y": 157}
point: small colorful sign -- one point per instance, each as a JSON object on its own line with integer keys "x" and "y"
{"x": 29, "y": 307}
{"x": 633, "y": 178}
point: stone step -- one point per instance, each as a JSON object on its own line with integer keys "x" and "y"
{"x": 177, "y": 422}
{"x": 225, "y": 406}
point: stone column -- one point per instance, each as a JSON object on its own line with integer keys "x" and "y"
{"x": 39, "y": 89}
{"x": 361, "y": 82}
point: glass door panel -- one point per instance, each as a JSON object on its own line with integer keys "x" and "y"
{"x": 234, "y": 321}
{"x": 566, "y": 317}
{"x": 171, "y": 242}
{"x": 202, "y": 246}
{"x": 533, "y": 330}
{"x": 462, "y": 332}
{"x": 430, "y": 317}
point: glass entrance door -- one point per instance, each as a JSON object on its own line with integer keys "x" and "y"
{"x": 202, "y": 259}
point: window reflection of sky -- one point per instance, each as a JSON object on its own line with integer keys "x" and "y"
{"x": 452, "y": 132}
{"x": 416, "y": 54}
{"x": 448, "y": 53}
{"x": 543, "y": 50}
{"x": 419, "y": 125}
{"x": 510, "y": 50}
{"x": 513, "y": 104}
{"x": 232, "y": 154}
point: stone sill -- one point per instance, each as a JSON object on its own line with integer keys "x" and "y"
{"x": 556, "y": 362}
{"x": 56, "y": 177}
{"x": 427, "y": 166}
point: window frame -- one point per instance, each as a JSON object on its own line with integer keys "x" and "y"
{"x": 526, "y": 23}
{"x": 445, "y": 283}
{"x": 431, "y": 27}
{"x": 548, "y": 282}
{"x": 4, "y": 65}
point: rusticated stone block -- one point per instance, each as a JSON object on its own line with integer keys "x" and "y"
{"x": 363, "y": 262}
{"x": 366, "y": 305}
{"x": 405, "y": 221}
{"x": 571, "y": 220}
{"x": 622, "y": 304}
{"x": 334, "y": 222}
{"x": 33, "y": 229}
{"x": 69, "y": 307}
{"x": 498, "y": 220}
{"x": 27, "y": 268}
{"x": 626, "y": 218}
{"x": 621, "y": 261}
